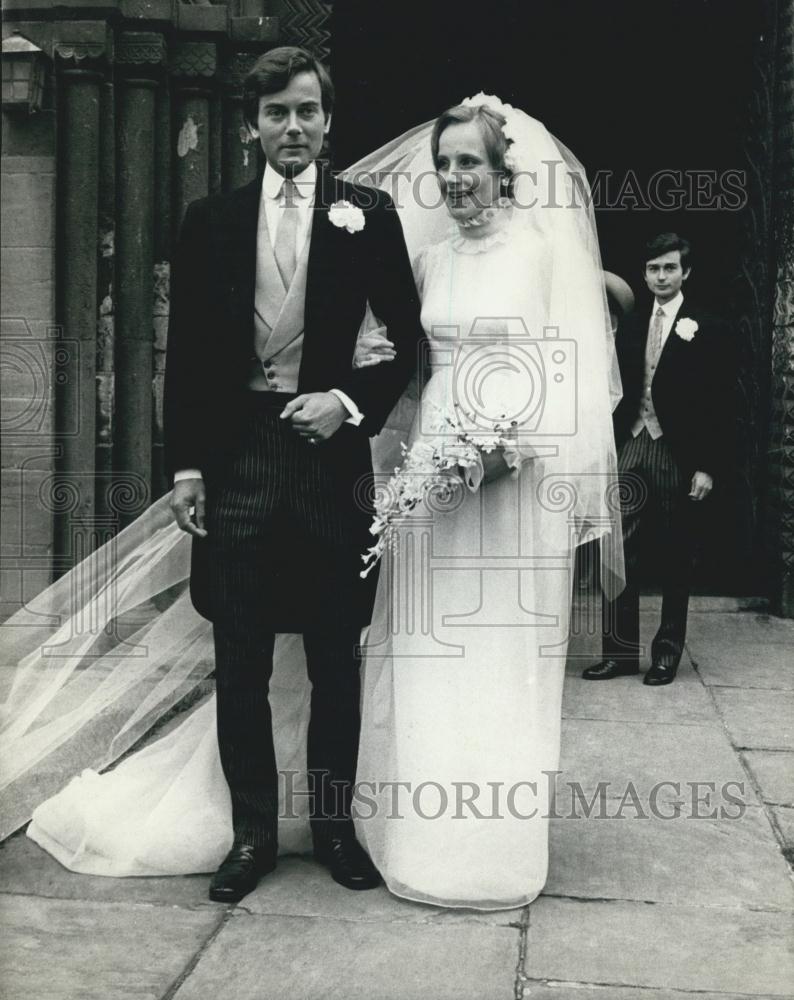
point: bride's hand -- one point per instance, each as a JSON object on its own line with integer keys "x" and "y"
{"x": 494, "y": 465}
{"x": 372, "y": 348}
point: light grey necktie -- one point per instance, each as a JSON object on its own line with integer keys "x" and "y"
{"x": 655, "y": 338}
{"x": 287, "y": 232}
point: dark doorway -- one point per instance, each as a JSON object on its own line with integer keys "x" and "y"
{"x": 632, "y": 88}
{"x": 629, "y": 86}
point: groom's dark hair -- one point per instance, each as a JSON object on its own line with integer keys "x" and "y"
{"x": 274, "y": 70}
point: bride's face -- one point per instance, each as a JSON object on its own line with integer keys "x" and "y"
{"x": 468, "y": 179}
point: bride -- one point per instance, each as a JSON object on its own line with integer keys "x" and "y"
{"x": 464, "y": 658}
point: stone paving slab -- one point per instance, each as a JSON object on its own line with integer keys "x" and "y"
{"x": 301, "y": 887}
{"x": 759, "y": 720}
{"x": 619, "y": 752}
{"x": 585, "y": 991}
{"x": 626, "y": 699}
{"x": 55, "y": 949}
{"x": 785, "y": 821}
{"x": 306, "y": 958}
{"x": 774, "y": 772}
{"x": 684, "y": 948}
{"x": 26, "y": 868}
{"x": 721, "y": 631}
{"x": 724, "y": 862}
{"x": 745, "y": 665}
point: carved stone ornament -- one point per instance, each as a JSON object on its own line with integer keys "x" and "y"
{"x": 194, "y": 59}
{"x": 79, "y": 41}
{"x": 306, "y": 23}
{"x": 141, "y": 48}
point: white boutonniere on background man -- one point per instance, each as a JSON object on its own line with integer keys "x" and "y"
{"x": 346, "y": 216}
{"x": 686, "y": 329}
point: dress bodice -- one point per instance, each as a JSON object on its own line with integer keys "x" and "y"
{"x": 481, "y": 287}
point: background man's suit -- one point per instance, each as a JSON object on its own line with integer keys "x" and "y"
{"x": 287, "y": 521}
{"x": 688, "y": 406}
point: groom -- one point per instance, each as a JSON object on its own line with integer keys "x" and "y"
{"x": 267, "y": 428}
{"x": 672, "y": 430}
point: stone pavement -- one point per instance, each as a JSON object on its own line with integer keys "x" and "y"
{"x": 634, "y": 909}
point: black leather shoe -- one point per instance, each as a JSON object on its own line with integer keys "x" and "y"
{"x": 607, "y": 669}
{"x": 346, "y": 860}
{"x": 660, "y": 674}
{"x": 240, "y": 872}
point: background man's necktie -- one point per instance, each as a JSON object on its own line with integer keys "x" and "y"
{"x": 655, "y": 339}
{"x": 286, "y": 234}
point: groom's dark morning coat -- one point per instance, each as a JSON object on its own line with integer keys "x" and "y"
{"x": 211, "y": 348}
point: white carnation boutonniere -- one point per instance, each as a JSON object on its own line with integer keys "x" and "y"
{"x": 686, "y": 329}
{"x": 344, "y": 215}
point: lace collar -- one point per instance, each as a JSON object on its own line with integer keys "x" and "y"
{"x": 464, "y": 239}
{"x": 465, "y": 244}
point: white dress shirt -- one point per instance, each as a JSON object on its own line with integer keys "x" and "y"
{"x": 305, "y": 184}
{"x": 273, "y": 202}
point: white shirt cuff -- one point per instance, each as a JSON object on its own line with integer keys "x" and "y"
{"x": 356, "y": 416}
{"x": 187, "y": 474}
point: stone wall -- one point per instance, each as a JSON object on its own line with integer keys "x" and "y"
{"x": 29, "y": 341}
{"x": 143, "y": 114}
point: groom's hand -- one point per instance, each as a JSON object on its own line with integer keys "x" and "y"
{"x": 316, "y": 416}
{"x": 188, "y": 502}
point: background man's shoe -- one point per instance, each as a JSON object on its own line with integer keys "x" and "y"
{"x": 346, "y": 860}
{"x": 659, "y": 674}
{"x": 240, "y": 872}
{"x": 607, "y": 669}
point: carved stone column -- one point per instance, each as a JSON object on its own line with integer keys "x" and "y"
{"x": 240, "y": 148}
{"x": 751, "y": 294}
{"x": 162, "y": 271}
{"x": 781, "y": 443}
{"x": 140, "y": 58}
{"x": 106, "y": 293}
{"x": 82, "y": 50}
{"x": 193, "y": 68}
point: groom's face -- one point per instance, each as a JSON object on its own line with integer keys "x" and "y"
{"x": 291, "y": 124}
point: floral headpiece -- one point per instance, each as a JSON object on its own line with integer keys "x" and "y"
{"x": 511, "y": 129}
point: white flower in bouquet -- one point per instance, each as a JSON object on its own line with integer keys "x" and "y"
{"x": 427, "y": 465}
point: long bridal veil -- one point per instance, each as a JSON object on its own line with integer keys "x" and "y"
{"x": 93, "y": 662}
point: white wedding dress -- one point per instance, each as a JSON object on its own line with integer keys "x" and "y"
{"x": 463, "y": 683}
{"x": 464, "y": 659}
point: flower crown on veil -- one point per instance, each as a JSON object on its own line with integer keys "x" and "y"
{"x": 544, "y": 172}
{"x": 511, "y": 129}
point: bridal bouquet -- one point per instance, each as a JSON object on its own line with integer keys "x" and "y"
{"x": 427, "y": 469}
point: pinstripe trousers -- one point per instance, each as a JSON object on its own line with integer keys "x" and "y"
{"x": 653, "y": 495}
{"x": 279, "y": 544}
